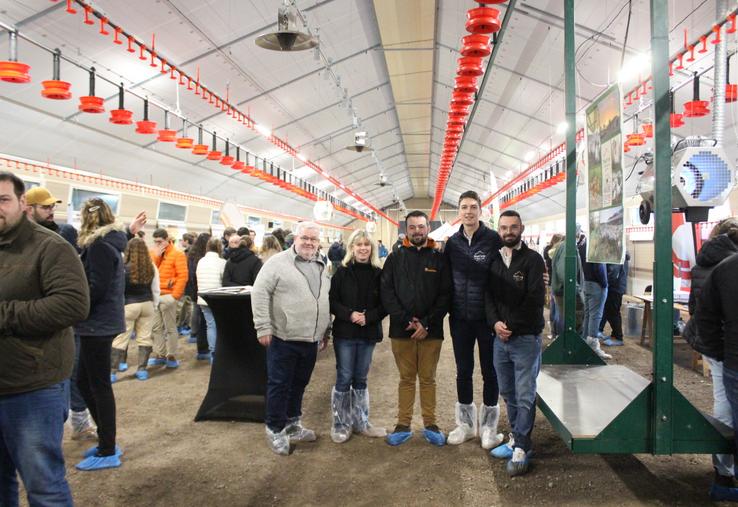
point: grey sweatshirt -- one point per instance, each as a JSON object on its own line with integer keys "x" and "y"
{"x": 283, "y": 304}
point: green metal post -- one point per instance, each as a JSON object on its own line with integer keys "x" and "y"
{"x": 569, "y": 348}
{"x": 663, "y": 366}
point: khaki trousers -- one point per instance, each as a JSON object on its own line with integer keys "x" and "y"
{"x": 139, "y": 318}
{"x": 165, "y": 327}
{"x": 416, "y": 359}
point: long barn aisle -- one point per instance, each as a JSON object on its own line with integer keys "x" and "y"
{"x": 171, "y": 460}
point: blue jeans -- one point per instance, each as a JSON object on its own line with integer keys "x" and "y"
{"x": 212, "y": 332}
{"x": 353, "y": 359}
{"x": 517, "y": 363}
{"x": 723, "y": 463}
{"x": 289, "y": 368}
{"x": 464, "y": 334}
{"x": 31, "y": 429}
{"x": 594, "y": 304}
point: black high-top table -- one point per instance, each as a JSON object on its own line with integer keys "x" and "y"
{"x": 238, "y": 376}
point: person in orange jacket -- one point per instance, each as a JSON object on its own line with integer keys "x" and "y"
{"x": 172, "y": 265}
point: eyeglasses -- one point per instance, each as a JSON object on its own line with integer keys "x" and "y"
{"x": 308, "y": 238}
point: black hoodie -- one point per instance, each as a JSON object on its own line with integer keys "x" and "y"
{"x": 241, "y": 269}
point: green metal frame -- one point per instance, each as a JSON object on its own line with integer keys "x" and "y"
{"x": 660, "y": 420}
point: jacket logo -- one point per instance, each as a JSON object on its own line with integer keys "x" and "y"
{"x": 518, "y": 276}
{"x": 431, "y": 270}
{"x": 480, "y": 257}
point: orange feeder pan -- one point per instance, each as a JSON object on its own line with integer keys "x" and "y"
{"x": 676, "y": 120}
{"x": 146, "y": 127}
{"x": 476, "y": 45}
{"x": 56, "y": 90}
{"x": 636, "y": 139}
{"x": 214, "y": 155}
{"x": 647, "y": 130}
{"x": 184, "y": 142}
{"x": 200, "y": 149}
{"x": 167, "y": 136}
{"x": 121, "y": 117}
{"x": 466, "y": 84}
{"x": 227, "y": 160}
{"x": 696, "y": 108}
{"x": 238, "y": 165}
{"x": 483, "y": 20}
{"x": 91, "y": 104}
{"x": 470, "y": 66}
{"x": 14, "y": 72}
{"x": 731, "y": 92}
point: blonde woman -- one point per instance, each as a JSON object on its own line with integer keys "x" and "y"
{"x": 269, "y": 247}
{"x": 357, "y": 328}
{"x": 141, "y": 297}
{"x": 102, "y": 241}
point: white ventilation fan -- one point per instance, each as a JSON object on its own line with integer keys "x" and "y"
{"x": 323, "y": 211}
{"x": 371, "y": 227}
{"x": 288, "y": 36}
{"x": 702, "y": 177}
{"x": 360, "y": 143}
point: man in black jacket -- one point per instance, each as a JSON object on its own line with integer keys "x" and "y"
{"x": 469, "y": 252}
{"x": 617, "y": 284}
{"x": 515, "y": 310}
{"x": 416, "y": 293}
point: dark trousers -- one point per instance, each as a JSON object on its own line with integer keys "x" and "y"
{"x": 199, "y": 328}
{"x": 464, "y": 334}
{"x": 77, "y": 403}
{"x": 611, "y": 314}
{"x": 289, "y": 368}
{"x": 730, "y": 382}
{"x": 93, "y": 379}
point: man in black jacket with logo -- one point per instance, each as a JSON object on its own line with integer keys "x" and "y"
{"x": 416, "y": 292}
{"x": 515, "y": 310}
{"x": 469, "y": 252}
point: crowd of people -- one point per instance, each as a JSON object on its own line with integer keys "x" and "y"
{"x": 103, "y": 287}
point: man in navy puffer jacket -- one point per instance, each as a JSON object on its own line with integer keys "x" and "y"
{"x": 470, "y": 251}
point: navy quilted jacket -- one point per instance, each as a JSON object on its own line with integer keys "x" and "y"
{"x": 470, "y": 270}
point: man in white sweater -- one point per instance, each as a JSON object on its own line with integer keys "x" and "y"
{"x": 210, "y": 276}
{"x": 292, "y": 319}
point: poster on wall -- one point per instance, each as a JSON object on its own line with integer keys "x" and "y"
{"x": 604, "y": 159}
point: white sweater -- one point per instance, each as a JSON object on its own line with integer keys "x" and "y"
{"x": 209, "y": 274}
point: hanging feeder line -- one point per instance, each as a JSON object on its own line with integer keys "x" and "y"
{"x": 123, "y": 117}
{"x": 699, "y": 44}
{"x": 222, "y": 104}
{"x": 481, "y": 22}
{"x": 117, "y": 184}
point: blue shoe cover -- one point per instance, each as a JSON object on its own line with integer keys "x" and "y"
{"x": 398, "y": 437}
{"x": 93, "y": 450}
{"x": 113, "y": 378}
{"x": 203, "y": 357}
{"x": 723, "y": 494}
{"x": 142, "y": 375}
{"x": 98, "y": 463}
{"x": 123, "y": 366}
{"x": 434, "y": 437}
{"x": 612, "y": 342}
{"x": 503, "y": 451}
{"x": 157, "y": 361}
{"x": 172, "y": 363}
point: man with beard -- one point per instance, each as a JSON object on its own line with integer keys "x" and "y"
{"x": 416, "y": 292}
{"x": 40, "y": 208}
{"x": 43, "y": 293}
{"x": 515, "y": 311}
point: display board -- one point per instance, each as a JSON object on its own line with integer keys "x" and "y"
{"x": 604, "y": 160}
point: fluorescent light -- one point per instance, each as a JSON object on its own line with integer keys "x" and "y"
{"x": 302, "y": 157}
{"x": 637, "y": 66}
{"x": 562, "y": 127}
{"x": 323, "y": 184}
{"x": 508, "y": 175}
{"x": 529, "y": 156}
{"x": 261, "y": 129}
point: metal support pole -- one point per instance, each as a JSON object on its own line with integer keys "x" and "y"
{"x": 662, "y": 424}
{"x": 570, "y": 273}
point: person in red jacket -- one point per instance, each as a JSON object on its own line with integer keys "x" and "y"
{"x": 172, "y": 265}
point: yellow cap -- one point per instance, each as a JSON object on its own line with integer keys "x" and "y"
{"x": 41, "y": 196}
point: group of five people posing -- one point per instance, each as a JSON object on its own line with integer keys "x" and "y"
{"x": 492, "y": 285}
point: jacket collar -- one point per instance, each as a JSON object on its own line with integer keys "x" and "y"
{"x": 101, "y": 233}
{"x": 293, "y": 255}
{"x": 429, "y": 244}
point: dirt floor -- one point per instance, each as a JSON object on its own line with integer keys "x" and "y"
{"x": 171, "y": 461}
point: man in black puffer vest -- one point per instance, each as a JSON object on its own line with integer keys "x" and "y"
{"x": 469, "y": 252}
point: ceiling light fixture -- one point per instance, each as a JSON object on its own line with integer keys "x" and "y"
{"x": 288, "y": 36}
